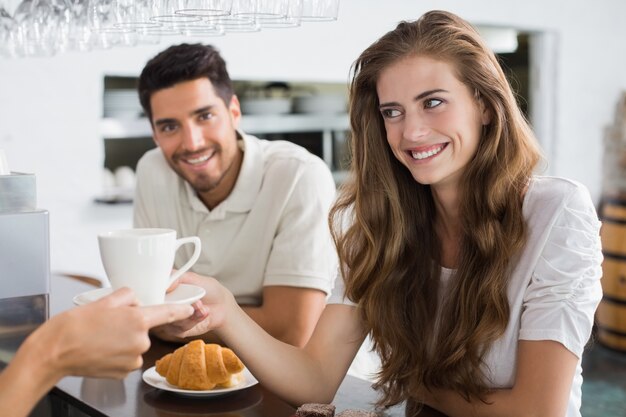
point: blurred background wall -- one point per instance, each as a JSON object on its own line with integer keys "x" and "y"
{"x": 51, "y": 108}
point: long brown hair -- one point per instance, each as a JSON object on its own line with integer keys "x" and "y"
{"x": 388, "y": 248}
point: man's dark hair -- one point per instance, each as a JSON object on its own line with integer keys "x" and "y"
{"x": 184, "y": 62}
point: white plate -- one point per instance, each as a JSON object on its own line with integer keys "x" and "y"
{"x": 183, "y": 294}
{"x": 151, "y": 377}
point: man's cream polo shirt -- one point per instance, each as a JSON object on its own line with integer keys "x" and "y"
{"x": 271, "y": 230}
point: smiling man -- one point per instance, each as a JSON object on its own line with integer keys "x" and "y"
{"x": 259, "y": 207}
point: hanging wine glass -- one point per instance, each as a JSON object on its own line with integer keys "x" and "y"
{"x": 44, "y": 27}
{"x": 292, "y": 19}
{"x": 166, "y": 13}
{"x": 320, "y": 10}
{"x": 261, "y": 9}
{"x": 201, "y": 29}
{"x": 103, "y": 19}
{"x": 238, "y": 21}
{"x": 205, "y": 8}
{"x": 8, "y": 33}
{"x": 136, "y": 14}
{"x": 79, "y": 31}
{"x": 35, "y": 30}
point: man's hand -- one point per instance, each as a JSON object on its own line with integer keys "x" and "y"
{"x": 209, "y": 314}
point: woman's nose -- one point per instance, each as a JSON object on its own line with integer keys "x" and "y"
{"x": 415, "y": 126}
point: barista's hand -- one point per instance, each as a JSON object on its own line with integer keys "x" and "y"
{"x": 210, "y": 312}
{"x": 105, "y": 338}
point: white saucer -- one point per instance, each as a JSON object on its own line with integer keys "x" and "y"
{"x": 151, "y": 377}
{"x": 183, "y": 294}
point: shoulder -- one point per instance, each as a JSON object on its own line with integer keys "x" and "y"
{"x": 152, "y": 159}
{"x": 152, "y": 168}
{"x": 284, "y": 158}
{"x": 282, "y": 150}
{"x": 552, "y": 199}
{"x": 557, "y": 192}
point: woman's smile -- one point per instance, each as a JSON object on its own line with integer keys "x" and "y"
{"x": 427, "y": 153}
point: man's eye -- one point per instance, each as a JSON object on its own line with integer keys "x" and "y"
{"x": 432, "y": 103}
{"x": 390, "y": 113}
{"x": 168, "y": 128}
{"x": 206, "y": 116}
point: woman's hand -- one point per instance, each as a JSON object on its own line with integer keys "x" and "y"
{"x": 210, "y": 312}
{"x": 105, "y": 338}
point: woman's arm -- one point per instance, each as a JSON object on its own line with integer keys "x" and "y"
{"x": 104, "y": 339}
{"x": 25, "y": 380}
{"x": 545, "y": 370}
{"x": 298, "y": 375}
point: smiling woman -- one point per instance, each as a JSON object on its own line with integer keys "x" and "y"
{"x": 433, "y": 121}
{"x": 476, "y": 279}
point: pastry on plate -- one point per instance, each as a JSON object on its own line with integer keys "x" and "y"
{"x": 200, "y": 366}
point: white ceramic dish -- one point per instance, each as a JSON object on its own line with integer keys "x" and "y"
{"x": 183, "y": 294}
{"x": 320, "y": 104}
{"x": 151, "y": 377}
{"x": 269, "y": 105}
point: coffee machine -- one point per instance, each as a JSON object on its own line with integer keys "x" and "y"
{"x": 24, "y": 261}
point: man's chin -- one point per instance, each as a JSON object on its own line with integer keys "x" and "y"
{"x": 200, "y": 182}
{"x": 203, "y": 185}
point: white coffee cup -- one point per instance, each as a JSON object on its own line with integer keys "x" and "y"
{"x": 142, "y": 259}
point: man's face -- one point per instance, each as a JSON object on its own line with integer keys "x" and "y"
{"x": 196, "y": 132}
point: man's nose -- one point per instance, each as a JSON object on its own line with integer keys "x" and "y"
{"x": 192, "y": 137}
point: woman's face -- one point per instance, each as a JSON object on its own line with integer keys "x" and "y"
{"x": 432, "y": 119}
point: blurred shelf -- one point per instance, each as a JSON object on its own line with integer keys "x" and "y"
{"x": 125, "y": 128}
{"x": 285, "y": 123}
{"x": 254, "y": 124}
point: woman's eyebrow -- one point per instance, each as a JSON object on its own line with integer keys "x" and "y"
{"x": 416, "y": 98}
{"x": 429, "y": 92}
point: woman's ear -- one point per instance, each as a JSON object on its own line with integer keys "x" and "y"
{"x": 485, "y": 113}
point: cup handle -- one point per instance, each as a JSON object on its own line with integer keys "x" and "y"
{"x": 196, "y": 254}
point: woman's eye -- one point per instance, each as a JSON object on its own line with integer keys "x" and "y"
{"x": 390, "y": 113}
{"x": 432, "y": 103}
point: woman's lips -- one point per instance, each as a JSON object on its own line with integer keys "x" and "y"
{"x": 427, "y": 152}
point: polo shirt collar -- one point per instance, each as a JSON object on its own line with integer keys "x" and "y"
{"x": 248, "y": 184}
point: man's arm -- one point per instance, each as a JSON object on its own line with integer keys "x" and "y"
{"x": 302, "y": 264}
{"x": 289, "y": 313}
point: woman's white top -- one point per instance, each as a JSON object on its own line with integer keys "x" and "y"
{"x": 554, "y": 288}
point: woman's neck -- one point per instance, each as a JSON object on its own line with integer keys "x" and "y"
{"x": 448, "y": 225}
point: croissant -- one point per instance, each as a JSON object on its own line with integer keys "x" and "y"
{"x": 200, "y": 366}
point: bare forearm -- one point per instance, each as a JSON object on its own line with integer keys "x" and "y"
{"x": 453, "y": 404}
{"x": 291, "y": 372}
{"x": 543, "y": 382}
{"x": 23, "y": 383}
{"x": 289, "y": 335}
{"x": 292, "y": 335}
{"x": 289, "y": 313}
{"x": 499, "y": 403}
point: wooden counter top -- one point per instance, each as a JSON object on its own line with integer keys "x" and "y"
{"x": 131, "y": 397}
